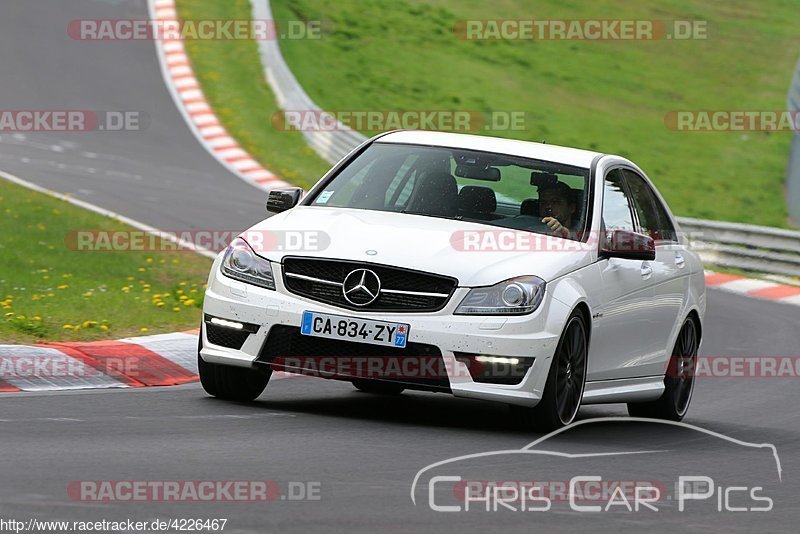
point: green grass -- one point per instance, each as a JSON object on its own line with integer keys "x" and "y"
{"x": 605, "y": 96}
{"x": 232, "y": 79}
{"x": 51, "y": 292}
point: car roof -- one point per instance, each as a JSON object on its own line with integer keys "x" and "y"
{"x": 513, "y": 147}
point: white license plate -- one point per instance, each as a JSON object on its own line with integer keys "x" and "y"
{"x": 354, "y": 329}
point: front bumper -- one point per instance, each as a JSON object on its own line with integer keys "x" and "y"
{"x": 523, "y": 337}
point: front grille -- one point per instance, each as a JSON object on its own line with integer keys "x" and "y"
{"x": 226, "y": 337}
{"x": 322, "y": 281}
{"x": 287, "y": 349}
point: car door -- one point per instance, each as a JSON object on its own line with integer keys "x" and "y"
{"x": 622, "y": 323}
{"x": 670, "y": 277}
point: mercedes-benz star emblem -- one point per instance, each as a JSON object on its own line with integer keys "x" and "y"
{"x": 361, "y": 287}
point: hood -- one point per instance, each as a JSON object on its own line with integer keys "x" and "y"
{"x": 475, "y": 254}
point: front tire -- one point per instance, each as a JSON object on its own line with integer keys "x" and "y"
{"x": 231, "y": 383}
{"x": 566, "y": 380}
{"x": 678, "y": 382}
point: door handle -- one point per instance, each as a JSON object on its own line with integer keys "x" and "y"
{"x": 680, "y": 261}
{"x": 646, "y": 270}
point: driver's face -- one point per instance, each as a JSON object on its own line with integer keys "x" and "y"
{"x": 555, "y": 204}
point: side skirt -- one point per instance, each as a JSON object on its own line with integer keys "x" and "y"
{"x": 639, "y": 389}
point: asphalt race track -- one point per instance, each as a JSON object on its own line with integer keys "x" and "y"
{"x": 357, "y": 453}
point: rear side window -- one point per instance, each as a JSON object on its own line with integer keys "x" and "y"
{"x": 653, "y": 218}
{"x": 616, "y": 207}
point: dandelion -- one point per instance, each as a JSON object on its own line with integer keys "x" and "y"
{"x": 51, "y": 294}
{"x": 183, "y": 297}
{"x": 143, "y": 329}
{"x": 149, "y": 260}
{"x": 126, "y": 289}
{"x": 182, "y": 284}
{"x": 188, "y": 302}
{"x": 130, "y": 278}
{"x": 63, "y": 286}
{"x": 88, "y": 294}
{"x": 68, "y": 327}
{"x": 103, "y": 327}
{"x": 176, "y": 309}
{"x": 159, "y": 304}
{"x": 9, "y": 314}
{"x": 37, "y": 318}
{"x": 141, "y": 269}
{"x": 20, "y": 317}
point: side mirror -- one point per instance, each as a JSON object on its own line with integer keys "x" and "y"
{"x": 283, "y": 199}
{"x": 628, "y": 246}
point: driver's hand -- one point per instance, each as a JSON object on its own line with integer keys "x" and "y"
{"x": 555, "y": 226}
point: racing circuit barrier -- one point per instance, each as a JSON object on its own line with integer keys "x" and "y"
{"x": 744, "y": 246}
{"x": 734, "y": 245}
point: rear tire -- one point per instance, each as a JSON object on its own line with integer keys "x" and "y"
{"x": 231, "y": 383}
{"x": 376, "y": 387}
{"x": 566, "y": 380}
{"x": 678, "y": 382}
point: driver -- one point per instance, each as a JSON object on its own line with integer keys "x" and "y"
{"x": 558, "y": 208}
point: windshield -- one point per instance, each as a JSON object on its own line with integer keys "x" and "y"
{"x": 492, "y": 189}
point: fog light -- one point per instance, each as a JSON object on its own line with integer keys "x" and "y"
{"x": 497, "y": 359}
{"x": 226, "y": 324}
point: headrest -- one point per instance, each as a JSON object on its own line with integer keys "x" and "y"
{"x": 477, "y": 199}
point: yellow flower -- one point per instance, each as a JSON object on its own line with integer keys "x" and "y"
{"x": 130, "y": 278}
{"x": 176, "y": 309}
{"x": 183, "y": 297}
{"x": 182, "y": 284}
{"x": 188, "y": 302}
{"x": 63, "y": 286}
{"x": 51, "y": 294}
{"x": 103, "y": 328}
{"x": 193, "y": 291}
{"x": 89, "y": 324}
{"x": 20, "y": 317}
{"x": 9, "y": 314}
{"x": 149, "y": 260}
{"x": 146, "y": 290}
{"x": 141, "y": 269}
{"x": 126, "y": 289}
{"x": 143, "y": 329}
{"x": 174, "y": 262}
{"x": 37, "y": 318}
{"x": 179, "y": 291}
{"x": 68, "y": 327}
{"x": 88, "y": 294}
{"x": 159, "y": 304}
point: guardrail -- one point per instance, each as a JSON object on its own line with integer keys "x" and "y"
{"x": 331, "y": 145}
{"x": 744, "y": 246}
{"x": 740, "y": 246}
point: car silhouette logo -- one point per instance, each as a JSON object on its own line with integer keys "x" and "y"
{"x": 361, "y": 287}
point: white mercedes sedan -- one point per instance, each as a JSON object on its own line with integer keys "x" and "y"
{"x": 539, "y": 276}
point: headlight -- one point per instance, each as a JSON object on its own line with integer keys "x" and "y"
{"x": 517, "y": 296}
{"x": 241, "y": 263}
